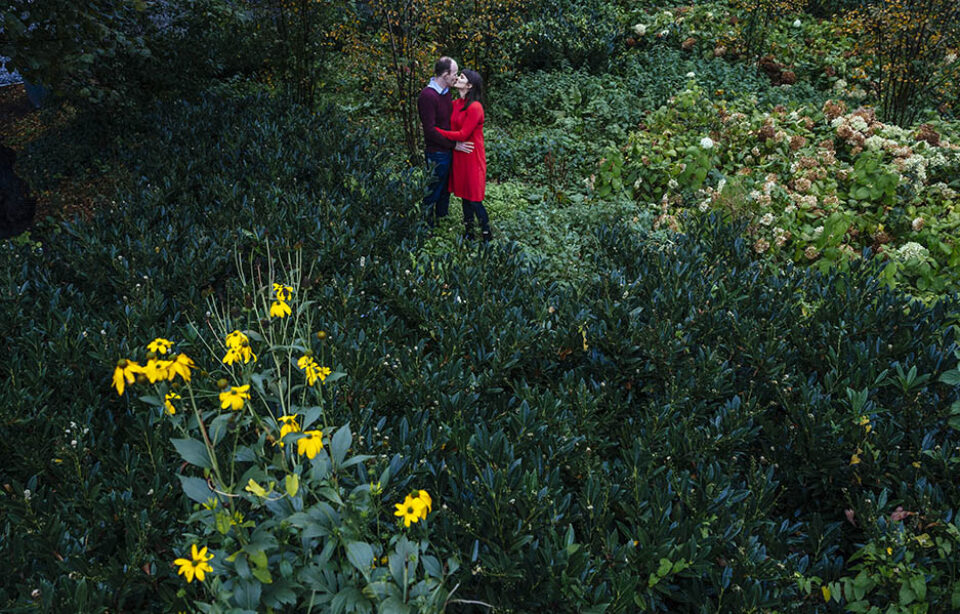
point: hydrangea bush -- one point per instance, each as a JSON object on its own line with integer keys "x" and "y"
{"x": 815, "y": 185}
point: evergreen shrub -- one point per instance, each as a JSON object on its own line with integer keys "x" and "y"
{"x": 678, "y": 430}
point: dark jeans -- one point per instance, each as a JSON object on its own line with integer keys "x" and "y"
{"x": 475, "y": 208}
{"x": 437, "y": 203}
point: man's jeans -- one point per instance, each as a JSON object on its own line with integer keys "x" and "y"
{"x": 437, "y": 203}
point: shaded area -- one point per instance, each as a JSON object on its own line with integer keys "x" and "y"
{"x": 17, "y": 207}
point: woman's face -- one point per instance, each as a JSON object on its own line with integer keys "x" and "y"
{"x": 462, "y": 83}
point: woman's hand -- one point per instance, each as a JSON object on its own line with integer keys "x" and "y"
{"x": 464, "y": 146}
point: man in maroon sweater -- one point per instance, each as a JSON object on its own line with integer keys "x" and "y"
{"x": 435, "y": 106}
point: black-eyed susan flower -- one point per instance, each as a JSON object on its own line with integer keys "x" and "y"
{"x": 157, "y": 370}
{"x": 288, "y": 424}
{"x": 427, "y": 502}
{"x": 310, "y": 444}
{"x": 196, "y": 565}
{"x": 236, "y": 339}
{"x": 238, "y": 349}
{"x": 234, "y": 397}
{"x": 181, "y": 366}
{"x": 280, "y": 309}
{"x": 160, "y": 345}
{"x": 282, "y": 292}
{"x": 168, "y": 402}
{"x": 411, "y": 510}
{"x": 312, "y": 370}
{"x": 125, "y": 373}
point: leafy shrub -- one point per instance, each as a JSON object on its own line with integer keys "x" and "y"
{"x": 564, "y": 34}
{"x": 115, "y": 55}
{"x": 884, "y": 188}
{"x": 675, "y": 429}
{"x": 212, "y": 177}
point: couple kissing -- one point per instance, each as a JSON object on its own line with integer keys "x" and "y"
{"x": 453, "y": 139}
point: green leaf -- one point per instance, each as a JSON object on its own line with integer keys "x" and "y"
{"x": 919, "y": 586}
{"x": 664, "y": 568}
{"x": 360, "y": 555}
{"x": 247, "y": 594}
{"x": 339, "y": 444}
{"x": 907, "y": 595}
{"x": 196, "y": 489}
{"x": 193, "y": 451}
{"x": 950, "y": 378}
{"x": 392, "y": 605}
{"x": 292, "y": 483}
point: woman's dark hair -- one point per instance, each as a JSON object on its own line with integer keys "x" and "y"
{"x": 476, "y": 92}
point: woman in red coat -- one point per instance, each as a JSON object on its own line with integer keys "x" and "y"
{"x": 468, "y": 175}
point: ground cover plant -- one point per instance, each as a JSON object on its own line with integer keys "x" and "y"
{"x": 689, "y": 375}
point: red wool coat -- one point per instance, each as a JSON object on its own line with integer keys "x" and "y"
{"x": 468, "y": 175}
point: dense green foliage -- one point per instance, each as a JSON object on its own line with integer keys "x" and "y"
{"x": 110, "y": 54}
{"x": 623, "y": 404}
{"x": 673, "y": 431}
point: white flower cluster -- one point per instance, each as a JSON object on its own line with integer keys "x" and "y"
{"x": 640, "y": 29}
{"x": 858, "y": 123}
{"x": 913, "y": 251}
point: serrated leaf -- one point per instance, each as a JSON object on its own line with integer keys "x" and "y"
{"x": 193, "y": 451}
{"x": 196, "y": 489}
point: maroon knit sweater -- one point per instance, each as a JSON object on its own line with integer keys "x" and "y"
{"x": 435, "y": 110}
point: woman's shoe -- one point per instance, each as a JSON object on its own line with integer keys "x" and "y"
{"x": 487, "y": 236}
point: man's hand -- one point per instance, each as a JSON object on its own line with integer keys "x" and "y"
{"x": 464, "y": 146}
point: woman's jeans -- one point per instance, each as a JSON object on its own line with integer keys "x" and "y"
{"x": 437, "y": 203}
{"x": 474, "y": 207}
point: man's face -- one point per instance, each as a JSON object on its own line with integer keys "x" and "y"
{"x": 449, "y": 79}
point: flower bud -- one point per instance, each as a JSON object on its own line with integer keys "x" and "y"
{"x": 322, "y": 335}
{"x": 222, "y": 383}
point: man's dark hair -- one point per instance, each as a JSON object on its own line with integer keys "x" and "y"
{"x": 476, "y": 92}
{"x": 442, "y": 66}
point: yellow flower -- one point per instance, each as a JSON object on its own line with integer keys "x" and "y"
{"x": 196, "y": 565}
{"x": 288, "y": 425}
{"x": 181, "y": 366}
{"x": 235, "y": 354}
{"x": 160, "y": 345}
{"x": 156, "y": 370}
{"x": 234, "y": 397}
{"x": 411, "y": 510}
{"x": 280, "y": 309}
{"x": 167, "y": 402}
{"x": 427, "y": 502}
{"x": 312, "y": 370}
{"x": 238, "y": 348}
{"x": 310, "y": 444}
{"x": 865, "y": 423}
{"x": 826, "y": 592}
{"x": 236, "y": 339}
{"x": 282, "y": 292}
{"x": 126, "y": 372}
